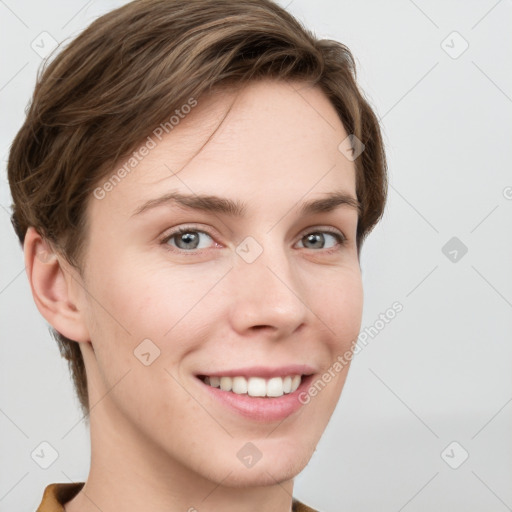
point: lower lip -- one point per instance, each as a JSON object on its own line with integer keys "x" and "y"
{"x": 258, "y": 408}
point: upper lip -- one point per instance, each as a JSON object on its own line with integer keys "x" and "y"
{"x": 263, "y": 371}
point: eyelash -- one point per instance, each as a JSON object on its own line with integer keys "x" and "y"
{"x": 340, "y": 238}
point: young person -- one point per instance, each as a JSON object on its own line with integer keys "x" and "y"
{"x": 192, "y": 187}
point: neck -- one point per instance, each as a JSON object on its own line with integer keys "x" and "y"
{"x": 129, "y": 473}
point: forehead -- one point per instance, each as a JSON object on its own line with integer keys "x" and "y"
{"x": 269, "y": 139}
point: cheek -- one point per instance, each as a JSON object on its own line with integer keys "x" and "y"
{"x": 340, "y": 306}
{"x": 134, "y": 300}
{"x": 161, "y": 302}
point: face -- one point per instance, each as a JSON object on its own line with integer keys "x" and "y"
{"x": 252, "y": 283}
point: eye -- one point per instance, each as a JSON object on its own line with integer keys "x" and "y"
{"x": 187, "y": 239}
{"x": 190, "y": 239}
{"x": 317, "y": 239}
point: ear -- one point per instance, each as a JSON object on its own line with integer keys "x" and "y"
{"x": 55, "y": 287}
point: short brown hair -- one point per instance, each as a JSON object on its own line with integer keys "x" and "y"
{"x": 128, "y": 72}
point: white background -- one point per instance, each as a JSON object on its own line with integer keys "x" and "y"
{"x": 441, "y": 370}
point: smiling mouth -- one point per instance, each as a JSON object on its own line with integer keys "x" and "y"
{"x": 255, "y": 386}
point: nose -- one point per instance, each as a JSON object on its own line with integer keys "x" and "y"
{"x": 266, "y": 296}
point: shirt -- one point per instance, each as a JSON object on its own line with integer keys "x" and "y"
{"x": 56, "y": 495}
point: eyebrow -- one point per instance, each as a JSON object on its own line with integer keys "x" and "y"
{"x": 233, "y": 208}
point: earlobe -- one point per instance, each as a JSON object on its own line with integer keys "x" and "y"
{"x": 53, "y": 288}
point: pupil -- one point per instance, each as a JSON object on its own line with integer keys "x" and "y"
{"x": 315, "y": 238}
{"x": 188, "y": 239}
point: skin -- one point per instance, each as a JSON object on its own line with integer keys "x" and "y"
{"x": 159, "y": 441}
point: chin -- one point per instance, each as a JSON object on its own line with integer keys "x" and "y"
{"x": 260, "y": 475}
{"x": 275, "y": 466}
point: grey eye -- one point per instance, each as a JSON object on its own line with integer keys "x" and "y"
{"x": 317, "y": 240}
{"x": 188, "y": 239}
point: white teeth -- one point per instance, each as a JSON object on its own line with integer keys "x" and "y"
{"x": 226, "y": 383}
{"x": 295, "y": 382}
{"x": 239, "y": 385}
{"x": 275, "y": 386}
{"x": 256, "y": 386}
{"x": 287, "y": 384}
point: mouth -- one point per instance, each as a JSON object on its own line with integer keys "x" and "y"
{"x": 273, "y": 387}
{"x": 258, "y": 397}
